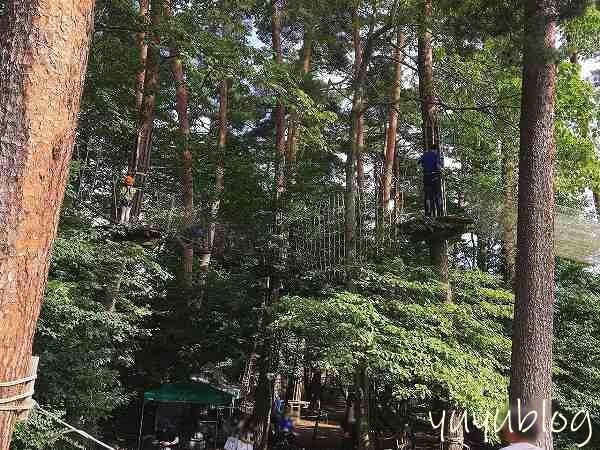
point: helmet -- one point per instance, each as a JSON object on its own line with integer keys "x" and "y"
{"x": 129, "y": 180}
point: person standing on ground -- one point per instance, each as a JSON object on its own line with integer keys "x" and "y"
{"x": 521, "y": 436}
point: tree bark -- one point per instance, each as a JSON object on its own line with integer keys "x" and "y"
{"x": 187, "y": 178}
{"x": 360, "y": 150}
{"x": 425, "y": 63}
{"x": 43, "y": 55}
{"x": 293, "y": 131}
{"x": 392, "y": 129}
{"x": 264, "y": 389}
{"x": 143, "y": 48}
{"x": 354, "y": 150}
{"x": 455, "y": 430}
{"x": 280, "y": 144}
{"x": 140, "y": 163}
{"x": 219, "y": 174}
{"x": 596, "y": 196}
{"x": 531, "y": 367}
{"x": 363, "y": 390}
{"x": 113, "y": 289}
{"x": 438, "y": 248}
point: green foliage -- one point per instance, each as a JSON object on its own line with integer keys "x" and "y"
{"x": 457, "y": 354}
{"x": 95, "y": 362}
{"x": 577, "y": 370}
{"x": 39, "y": 432}
{"x": 82, "y": 345}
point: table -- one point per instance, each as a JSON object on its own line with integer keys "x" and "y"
{"x": 296, "y": 407}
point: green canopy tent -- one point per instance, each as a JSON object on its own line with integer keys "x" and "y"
{"x": 193, "y": 392}
{"x": 199, "y": 393}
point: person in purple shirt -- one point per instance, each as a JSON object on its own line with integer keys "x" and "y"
{"x": 432, "y": 182}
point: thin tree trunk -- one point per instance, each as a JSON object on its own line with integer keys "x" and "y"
{"x": 280, "y": 144}
{"x": 112, "y": 291}
{"x": 143, "y": 48}
{"x": 187, "y": 178}
{"x": 531, "y": 366}
{"x": 43, "y": 55}
{"x": 264, "y": 389}
{"x": 438, "y": 247}
{"x": 219, "y": 174}
{"x": 360, "y": 150}
{"x": 455, "y": 430}
{"x": 293, "y": 131}
{"x": 596, "y": 196}
{"x": 354, "y": 151}
{"x": 392, "y": 129}
{"x": 425, "y": 62}
{"x": 141, "y": 158}
{"x": 363, "y": 390}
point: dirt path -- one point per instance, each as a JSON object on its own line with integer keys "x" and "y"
{"x": 329, "y": 435}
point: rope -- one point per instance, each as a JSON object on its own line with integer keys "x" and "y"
{"x": 15, "y": 398}
{"x": 17, "y": 382}
{"x": 4, "y": 402}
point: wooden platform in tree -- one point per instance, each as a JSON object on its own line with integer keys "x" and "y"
{"x": 138, "y": 234}
{"x": 423, "y": 228}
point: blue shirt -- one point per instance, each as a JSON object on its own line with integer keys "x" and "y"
{"x": 430, "y": 161}
{"x": 286, "y": 424}
{"x": 278, "y": 405}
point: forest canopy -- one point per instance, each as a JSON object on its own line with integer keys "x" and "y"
{"x": 247, "y": 201}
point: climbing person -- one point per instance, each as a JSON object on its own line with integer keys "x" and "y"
{"x": 432, "y": 182}
{"x": 127, "y": 195}
{"x": 521, "y": 429}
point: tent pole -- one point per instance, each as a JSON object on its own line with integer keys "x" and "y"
{"x": 141, "y": 425}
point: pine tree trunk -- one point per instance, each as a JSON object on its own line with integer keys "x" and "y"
{"x": 187, "y": 178}
{"x": 392, "y": 129}
{"x": 219, "y": 175}
{"x": 143, "y": 48}
{"x": 531, "y": 367}
{"x": 438, "y": 247}
{"x": 425, "y": 63}
{"x": 363, "y": 390}
{"x": 354, "y": 151}
{"x": 141, "y": 158}
{"x": 113, "y": 289}
{"x": 264, "y": 389}
{"x": 455, "y": 430}
{"x": 43, "y": 56}
{"x": 293, "y": 131}
{"x": 596, "y": 196}
{"x": 360, "y": 149}
{"x": 280, "y": 144}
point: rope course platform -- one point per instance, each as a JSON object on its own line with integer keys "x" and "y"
{"x": 424, "y": 228}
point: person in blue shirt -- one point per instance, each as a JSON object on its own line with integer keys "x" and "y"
{"x": 432, "y": 182}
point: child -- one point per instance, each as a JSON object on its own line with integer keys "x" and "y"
{"x": 127, "y": 196}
